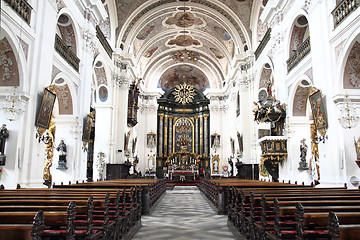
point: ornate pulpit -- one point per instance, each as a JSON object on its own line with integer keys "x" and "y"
{"x": 273, "y": 151}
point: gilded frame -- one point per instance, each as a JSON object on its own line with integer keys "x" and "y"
{"x": 318, "y": 112}
{"x": 151, "y": 140}
{"x": 45, "y": 111}
{"x": 86, "y": 129}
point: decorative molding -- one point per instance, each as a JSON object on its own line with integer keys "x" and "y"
{"x": 55, "y": 71}
{"x": 60, "y": 5}
{"x": 338, "y": 49}
{"x": 122, "y": 81}
{"x": 6, "y": 62}
{"x": 309, "y": 73}
{"x": 306, "y": 6}
{"x": 100, "y": 76}
{"x": 300, "y": 99}
{"x": 25, "y": 47}
{"x": 219, "y": 107}
{"x": 147, "y": 107}
{"x": 276, "y": 40}
{"x": 62, "y": 92}
{"x": 88, "y": 37}
{"x": 147, "y": 97}
{"x": 352, "y": 68}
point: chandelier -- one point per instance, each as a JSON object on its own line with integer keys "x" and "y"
{"x": 348, "y": 117}
{"x": 13, "y": 106}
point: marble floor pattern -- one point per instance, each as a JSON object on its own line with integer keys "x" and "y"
{"x": 183, "y": 214}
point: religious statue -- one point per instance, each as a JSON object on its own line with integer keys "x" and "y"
{"x": 231, "y": 165}
{"x": 62, "y": 155}
{"x": 357, "y": 149}
{"x": 303, "y": 152}
{"x": 4, "y": 134}
{"x": 315, "y": 168}
{"x": 49, "y": 148}
{"x": 225, "y": 172}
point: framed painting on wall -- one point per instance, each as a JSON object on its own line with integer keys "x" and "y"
{"x": 318, "y": 112}
{"x": 45, "y": 111}
{"x": 87, "y": 128}
{"x": 151, "y": 140}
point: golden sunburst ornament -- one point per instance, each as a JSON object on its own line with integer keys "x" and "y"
{"x": 184, "y": 93}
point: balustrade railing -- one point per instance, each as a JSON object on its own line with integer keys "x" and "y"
{"x": 344, "y": 9}
{"x": 298, "y": 55}
{"x": 66, "y": 53}
{"x": 263, "y": 43}
{"x": 22, "y": 7}
{"x": 100, "y": 35}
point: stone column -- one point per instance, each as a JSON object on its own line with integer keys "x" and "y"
{"x": 196, "y": 135}
{"x": 201, "y": 135}
{"x": 170, "y": 135}
{"x": 122, "y": 80}
{"x": 206, "y": 137}
{"x": 161, "y": 129}
{"x": 166, "y": 135}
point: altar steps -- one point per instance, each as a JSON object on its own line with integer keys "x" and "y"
{"x": 173, "y": 183}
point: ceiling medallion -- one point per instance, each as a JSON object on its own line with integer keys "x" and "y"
{"x": 184, "y": 93}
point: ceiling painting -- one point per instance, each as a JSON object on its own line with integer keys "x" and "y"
{"x": 150, "y": 52}
{"x": 222, "y": 33}
{"x": 183, "y": 74}
{"x": 204, "y": 33}
{"x": 184, "y": 41}
{"x": 185, "y": 55}
{"x": 184, "y": 20}
{"x": 144, "y": 33}
{"x": 217, "y": 53}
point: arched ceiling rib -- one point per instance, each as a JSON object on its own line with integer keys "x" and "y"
{"x": 210, "y": 32}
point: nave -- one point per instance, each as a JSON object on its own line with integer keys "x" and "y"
{"x": 183, "y": 214}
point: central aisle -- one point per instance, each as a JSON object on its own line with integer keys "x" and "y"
{"x": 184, "y": 214}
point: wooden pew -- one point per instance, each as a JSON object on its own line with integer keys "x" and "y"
{"x": 238, "y": 224}
{"x": 344, "y": 226}
{"x": 26, "y": 231}
{"x": 60, "y": 200}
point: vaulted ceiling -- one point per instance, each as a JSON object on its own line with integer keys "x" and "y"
{"x": 167, "y": 38}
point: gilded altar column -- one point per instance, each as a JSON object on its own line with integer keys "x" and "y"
{"x": 161, "y": 129}
{"x": 196, "y": 135}
{"x": 201, "y": 135}
{"x": 206, "y": 137}
{"x": 170, "y": 134}
{"x": 166, "y": 136}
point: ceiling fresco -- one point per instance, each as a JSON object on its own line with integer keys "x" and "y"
{"x": 183, "y": 74}
{"x": 184, "y": 41}
{"x": 184, "y": 20}
{"x": 164, "y": 33}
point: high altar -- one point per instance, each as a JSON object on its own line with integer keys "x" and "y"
{"x": 183, "y": 135}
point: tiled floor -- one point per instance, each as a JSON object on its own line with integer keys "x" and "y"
{"x": 183, "y": 214}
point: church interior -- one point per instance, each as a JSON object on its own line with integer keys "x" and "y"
{"x": 215, "y": 97}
